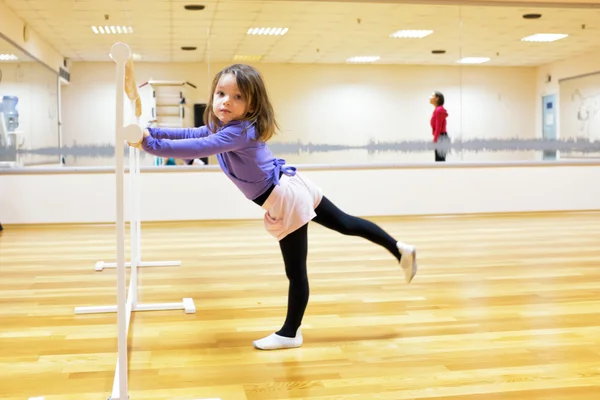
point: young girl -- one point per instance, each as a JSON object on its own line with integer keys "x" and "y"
{"x": 239, "y": 121}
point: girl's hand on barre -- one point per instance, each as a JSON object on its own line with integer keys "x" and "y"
{"x": 138, "y": 145}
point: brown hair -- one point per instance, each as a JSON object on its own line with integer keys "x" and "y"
{"x": 440, "y": 98}
{"x": 259, "y": 109}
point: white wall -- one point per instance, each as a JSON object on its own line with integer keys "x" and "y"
{"x": 333, "y": 104}
{"x": 36, "y": 88}
{"x": 179, "y": 195}
{"x": 440, "y": 189}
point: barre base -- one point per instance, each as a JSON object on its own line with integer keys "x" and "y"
{"x": 100, "y": 265}
{"x": 187, "y": 304}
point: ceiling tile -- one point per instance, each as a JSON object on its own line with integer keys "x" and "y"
{"x": 337, "y": 29}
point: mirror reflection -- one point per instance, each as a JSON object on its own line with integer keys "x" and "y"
{"x": 28, "y": 109}
{"x": 519, "y": 97}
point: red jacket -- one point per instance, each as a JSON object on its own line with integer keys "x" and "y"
{"x": 438, "y": 122}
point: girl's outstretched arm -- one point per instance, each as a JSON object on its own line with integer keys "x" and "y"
{"x": 223, "y": 141}
{"x": 178, "y": 133}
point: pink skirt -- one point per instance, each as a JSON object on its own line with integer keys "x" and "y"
{"x": 291, "y": 205}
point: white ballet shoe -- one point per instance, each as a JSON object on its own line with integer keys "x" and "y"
{"x": 408, "y": 262}
{"x": 276, "y": 342}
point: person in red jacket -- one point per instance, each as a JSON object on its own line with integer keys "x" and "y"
{"x": 438, "y": 123}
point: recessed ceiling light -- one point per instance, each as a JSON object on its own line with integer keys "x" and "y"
{"x": 363, "y": 59}
{"x": 438, "y": 51}
{"x": 8, "y": 57}
{"x": 194, "y": 7}
{"x": 111, "y": 30}
{"x": 188, "y": 48}
{"x": 267, "y": 31}
{"x": 473, "y": 60}
{"x": 411, "y": 33}
{"x": 532, "y": 16}
{"x": 242, "y": 57}
{"x": 544, "y": 37}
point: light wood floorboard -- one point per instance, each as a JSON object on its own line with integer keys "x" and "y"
{"x": 504, "y": 307}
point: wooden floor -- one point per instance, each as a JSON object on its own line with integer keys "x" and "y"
{"x": 504, "y": 307}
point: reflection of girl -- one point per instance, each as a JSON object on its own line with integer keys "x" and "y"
{"x": 438, "y": 123}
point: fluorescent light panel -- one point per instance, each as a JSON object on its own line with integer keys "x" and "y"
{"x": 544, "y": 37}
{"x": 241, "y": 57}
{"x": 411, "y": 33}
{"x": 363, "y": 59}
{"x": 8, "y": 57}
{"x": 111, "y": 29}
{"x": 267, "y": 31}
{"x": 473, "y": 60}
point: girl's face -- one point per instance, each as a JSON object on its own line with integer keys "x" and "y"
{"x": 228, "y": 102}
{"x": 433, "y": 99}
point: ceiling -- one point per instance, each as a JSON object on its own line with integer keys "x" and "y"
{"x": 319, "y": 32}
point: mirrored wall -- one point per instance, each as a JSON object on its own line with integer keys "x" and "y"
{"x": 29, "y": 110}
{"x": 351, "y": 83}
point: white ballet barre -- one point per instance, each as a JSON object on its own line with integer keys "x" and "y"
{"x": 135, "y": 219}
{"x": 135, "y": 227}
{"x": 127, "y": 302}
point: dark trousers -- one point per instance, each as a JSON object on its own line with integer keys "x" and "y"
{"x": 294, "y": 248}
{"x": 440, "y": 155}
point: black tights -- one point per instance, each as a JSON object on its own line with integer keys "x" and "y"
{"x": 294, "y": 248}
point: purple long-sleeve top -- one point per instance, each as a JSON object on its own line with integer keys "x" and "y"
{"x": 247, "y": 162}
